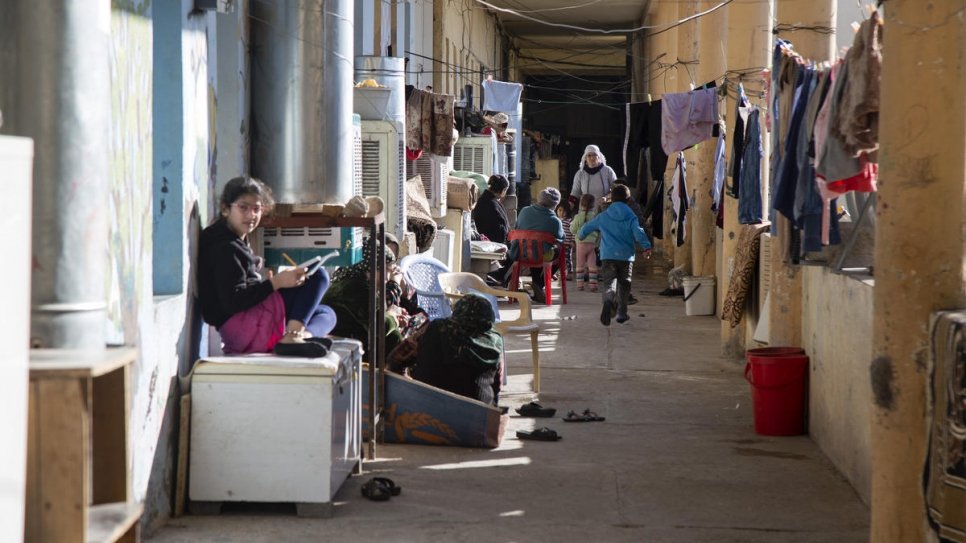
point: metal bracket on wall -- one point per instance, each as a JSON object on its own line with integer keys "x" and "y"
{"x": 853, "y": 236}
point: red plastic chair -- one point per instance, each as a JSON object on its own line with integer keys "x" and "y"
{"x": 530, "y": 251}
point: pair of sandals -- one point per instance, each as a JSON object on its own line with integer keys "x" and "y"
{"x": 303, "y": 346}
{"x": 380, "y": 489}
{"x": 586, "y": 416}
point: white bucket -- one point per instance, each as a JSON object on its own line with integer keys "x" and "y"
{"x": 699, "y": 295}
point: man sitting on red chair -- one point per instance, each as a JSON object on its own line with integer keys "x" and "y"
{"x": 540, "y": 216}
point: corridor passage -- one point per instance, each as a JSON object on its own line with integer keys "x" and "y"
{"x": 676, "y": 459}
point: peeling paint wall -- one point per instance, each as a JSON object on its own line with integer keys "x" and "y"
{"x": 837, "y": 335}
{"x": 160, "y": 326}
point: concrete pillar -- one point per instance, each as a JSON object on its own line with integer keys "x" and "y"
{"x": 919, "y": 250}
{"x": 796, "y": 22}
{"x": 687, "y": 72}
{"x": 711, "y": 65}
{"x": 665, "y": 80}
{"x": 749, "y": 42}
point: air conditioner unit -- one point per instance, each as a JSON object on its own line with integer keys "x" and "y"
{"x": 356, "y": 155}
{"x": 474, "y": 154}
{"x": 443, "y": 247}
{"x": 383, "y": 171}
{"x": 432, "y": 170}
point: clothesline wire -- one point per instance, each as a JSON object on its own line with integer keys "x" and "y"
{"x": 664, "y": 27}
{"x": 827, "y": 30}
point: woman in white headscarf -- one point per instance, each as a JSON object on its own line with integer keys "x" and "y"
{"x": 594, "y": 176}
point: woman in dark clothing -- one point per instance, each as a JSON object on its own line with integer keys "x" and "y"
{"x": 489, "y": 214}
{"x": 256, "y": 314}
{"x": 462, "y": 353}
{"x": 349, "y": 297}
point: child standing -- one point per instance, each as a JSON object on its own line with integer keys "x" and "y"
{"x": 564, "y": 213}
{"x": 620, "y": 234}
{"x": 586, "y": 261}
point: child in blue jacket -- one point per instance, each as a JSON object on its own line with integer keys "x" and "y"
{"x": 620, "y": 237}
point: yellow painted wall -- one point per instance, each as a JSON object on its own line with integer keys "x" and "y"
{"x": 837, "y": 335}
{"x": 473, "y": 40}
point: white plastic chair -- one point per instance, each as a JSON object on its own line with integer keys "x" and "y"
{"x": 421, "y": 272}
{"x": 456, "y": 284}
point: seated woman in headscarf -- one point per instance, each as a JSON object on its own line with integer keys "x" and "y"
{"x": 348, "y": 296}
{"x": 462, "y": 353}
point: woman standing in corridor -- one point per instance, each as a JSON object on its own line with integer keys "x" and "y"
{"x": 594, "y": 176}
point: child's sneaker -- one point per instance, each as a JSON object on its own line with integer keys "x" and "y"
{"x": 607, "y": 311}
{"x": 593, "y": 288}
{"x": 580, "y": 285}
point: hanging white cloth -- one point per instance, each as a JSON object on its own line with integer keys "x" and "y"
{"x": 501, "y": 96}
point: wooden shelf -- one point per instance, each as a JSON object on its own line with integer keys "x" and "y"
{"x": 109, "y": 522}
{"x": 78, "y": 484}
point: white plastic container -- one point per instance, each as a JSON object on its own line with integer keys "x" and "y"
{"x": 699, "y": 295}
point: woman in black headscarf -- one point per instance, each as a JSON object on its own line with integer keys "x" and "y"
{"x": 462, "y": 353}
{"x": 348, "y": 296}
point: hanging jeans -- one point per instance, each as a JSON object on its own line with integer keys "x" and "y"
{"x": 784, "y": 192}
{"x": 749, "y": 187}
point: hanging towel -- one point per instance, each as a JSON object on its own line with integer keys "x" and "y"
{"x": 429, "y": 122}
{"x": 443, "y": 120}
{"x": 688, "y": 118}
{"x": 501, "y": 96}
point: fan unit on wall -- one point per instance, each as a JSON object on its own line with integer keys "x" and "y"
{"x": 432, "y": 170}
{"x": 474, "y": 154}
{"x": 383, "y": 171}
{"x": 356, "y": 155}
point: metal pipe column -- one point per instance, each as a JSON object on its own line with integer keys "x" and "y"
{"x": 57, "y": 92}
{"x": 302, "y": 54}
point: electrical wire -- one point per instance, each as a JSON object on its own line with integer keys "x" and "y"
{"x": 664, "y": 27}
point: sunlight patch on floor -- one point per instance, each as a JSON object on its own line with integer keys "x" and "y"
{"x": 517, "y": 513}
{"x": 500, "y": 462}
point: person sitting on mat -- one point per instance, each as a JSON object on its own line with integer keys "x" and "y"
{"x": 349, "y": 298}
{"x": 463, "y": 353}
{"x": 256, "y": 313}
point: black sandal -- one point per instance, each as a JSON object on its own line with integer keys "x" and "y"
{"x": 540, "y": 434}
{"x": 388, "y": 483}
{"x": 377, "y": 490}
{"x": 533, "y": 409}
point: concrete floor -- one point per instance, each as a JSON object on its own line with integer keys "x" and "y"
{"x": 676, "y": 460}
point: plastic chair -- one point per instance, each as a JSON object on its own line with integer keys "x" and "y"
{"x": 456, "y": 284}
{"x": 421, "y": 272}
{"x": 530, "y": 254}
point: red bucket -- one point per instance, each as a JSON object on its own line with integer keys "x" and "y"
{"x": 779, "y": 379}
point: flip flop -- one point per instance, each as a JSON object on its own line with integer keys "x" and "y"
{"x": 380, "y": 489}
{"x": 540, "y": 434}
{"x": 533, "y": 409}
{"x": 388, "y": 483}
{"x": 376, "y": 491}
{"x": 586, "y": 416}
